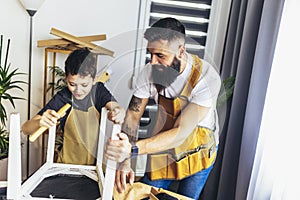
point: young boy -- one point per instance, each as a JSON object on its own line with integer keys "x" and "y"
{"x": 80, "y": 124}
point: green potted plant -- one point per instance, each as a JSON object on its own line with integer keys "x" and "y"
{"x": 60, "y": 78}
{"x": 7, "y": 84}
{"x": 226, "y": 90}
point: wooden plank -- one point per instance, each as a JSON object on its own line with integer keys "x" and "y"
{"x": 55, "y": 42}
{"x": 104, "y": 77}
{"x": 77, "y": 40}
{"x": 38, "y": 132}
{"x": 57, "y": 50}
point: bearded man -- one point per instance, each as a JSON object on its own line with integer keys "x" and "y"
{"x": 183, "y": 145}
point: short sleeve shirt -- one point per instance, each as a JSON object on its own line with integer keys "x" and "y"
{"x": 99, "y": 94}
{"x": 205, "y": 92}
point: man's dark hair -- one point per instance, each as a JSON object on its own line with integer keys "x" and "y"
{"x": 81, "y": 61}
{"x": 166, "y": 29}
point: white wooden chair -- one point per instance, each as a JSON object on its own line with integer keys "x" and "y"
{"x": 18, "y": 190}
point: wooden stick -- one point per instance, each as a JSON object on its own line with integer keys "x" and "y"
{"x": 79, "y": 41}
{"x": 103, "y": 77}
{"x": 54, "y": 42}
{"x": 37, "y": 133}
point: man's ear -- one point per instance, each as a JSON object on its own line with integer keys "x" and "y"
{"x": 181, "y": 52}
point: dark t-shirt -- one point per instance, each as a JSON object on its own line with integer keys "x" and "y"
{"x": 99, "y": 95}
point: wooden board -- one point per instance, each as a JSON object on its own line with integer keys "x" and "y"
{"x": 79, "y": 41}
{"x": 57, "y": 42}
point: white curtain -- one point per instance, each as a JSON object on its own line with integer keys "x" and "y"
{"x": 276, "y": 173}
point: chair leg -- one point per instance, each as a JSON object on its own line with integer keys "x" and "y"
{"x": 106, "y": 183}
{"x": 111, "y": 167}
{"x": 14, "y": 168}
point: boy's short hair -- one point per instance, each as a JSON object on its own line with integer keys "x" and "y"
{"x": 81, "y": 61}
{"x": 168, "y": 29}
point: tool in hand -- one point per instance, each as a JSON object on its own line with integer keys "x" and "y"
{"x": 38, "y": 132}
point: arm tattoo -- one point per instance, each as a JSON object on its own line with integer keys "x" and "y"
{"x": 135, "y": 104}
{"x": 131, "y": 132}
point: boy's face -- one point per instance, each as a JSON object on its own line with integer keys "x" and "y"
{"x": 80, "y": 86}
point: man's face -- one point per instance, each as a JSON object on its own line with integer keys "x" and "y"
{"x": 165, "y": 65}
{"x": 79, "y": 86}
{"x": 165, "y": 75}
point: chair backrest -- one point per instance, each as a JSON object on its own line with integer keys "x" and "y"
{"x": 15, "y": 188}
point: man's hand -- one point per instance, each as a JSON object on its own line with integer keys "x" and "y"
{"x": 123, "y": 174}
{"x": 118, "y": 150}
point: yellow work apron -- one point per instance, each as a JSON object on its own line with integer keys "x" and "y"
{"x": 198, "y": 150}
{"x": 80, "y": 137}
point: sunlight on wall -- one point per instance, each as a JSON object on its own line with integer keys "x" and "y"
{"x": 278, "y": 171}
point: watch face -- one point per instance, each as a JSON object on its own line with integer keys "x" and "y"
{"x": 134, "y": 150}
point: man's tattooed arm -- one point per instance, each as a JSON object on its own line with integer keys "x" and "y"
{"x": 135, "y": 104}
{"x": 134, "y": 113}
{"x": 130, "y": 131}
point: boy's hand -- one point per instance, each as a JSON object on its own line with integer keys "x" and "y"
{"x": 117, "y": 115}
{"x": 49, "y": 118}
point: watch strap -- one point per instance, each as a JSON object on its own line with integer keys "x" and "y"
{"x": 134, "y": 150}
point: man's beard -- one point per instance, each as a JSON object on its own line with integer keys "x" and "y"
{"x": 163, "y": 76}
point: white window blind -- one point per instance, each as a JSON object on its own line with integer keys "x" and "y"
{"x": 194, "y": 14}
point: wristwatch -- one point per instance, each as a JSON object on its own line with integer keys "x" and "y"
{"x": 134, "y": 150}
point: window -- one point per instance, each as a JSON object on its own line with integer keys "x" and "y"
{"x": 205, "y": 21}
{"x": 194, "y": 14}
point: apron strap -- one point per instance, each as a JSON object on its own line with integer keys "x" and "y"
{"x": 194, "y": 76}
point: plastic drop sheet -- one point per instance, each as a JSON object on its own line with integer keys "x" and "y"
{"x": 67, "y": 187}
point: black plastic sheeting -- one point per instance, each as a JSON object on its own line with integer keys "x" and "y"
{"x": 67, "y": 187}
{"x": 3, "y": 193}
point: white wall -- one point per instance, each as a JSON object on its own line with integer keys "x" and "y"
{"x": 117, "y": 19}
